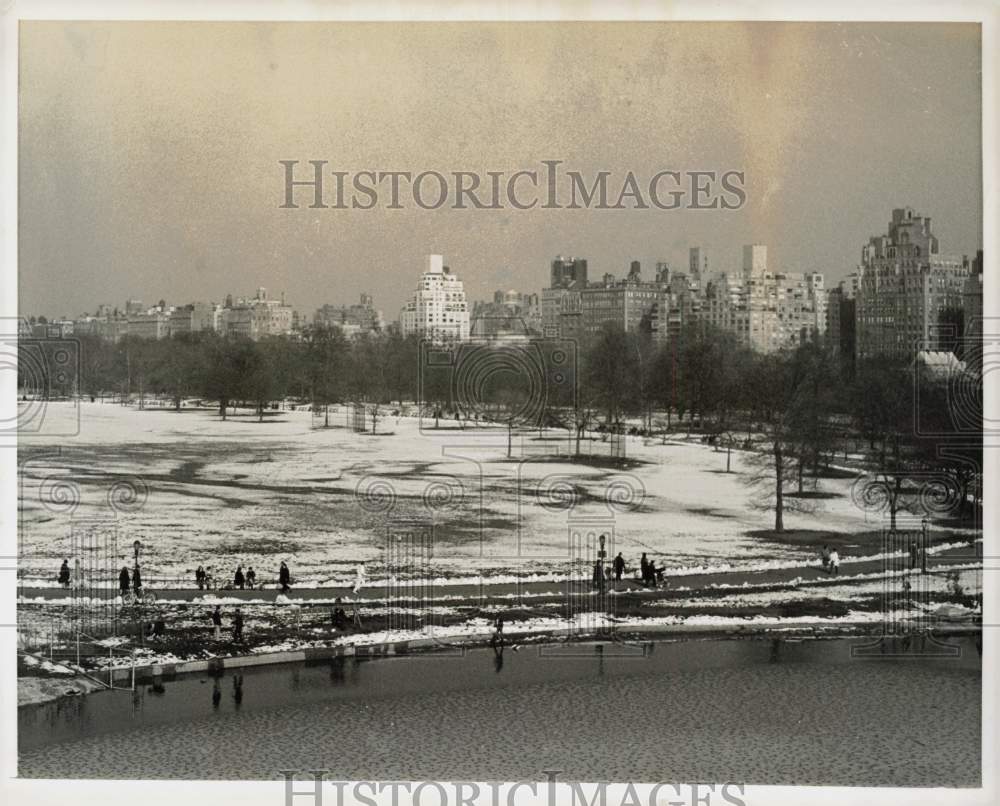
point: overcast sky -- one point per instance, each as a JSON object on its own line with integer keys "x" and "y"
{"x": 149, "y": 151}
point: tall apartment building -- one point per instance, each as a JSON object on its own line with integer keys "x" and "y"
{"x": 153, "y": 323}
{"x": 352, "y": 320}
{"x": 511, "y": 315}
{"x": 698, "y": 269}
{"x": 438, "y": 309}
{"x": 560, "y": 302}
{"x": 766, "y": 310}
{"x": 907, "y": 288}
{"x": 195, "y": 317}
{"x": 841, "y": 315}
{"x": 754, "y": 259}
{"x": 258, "y": 317}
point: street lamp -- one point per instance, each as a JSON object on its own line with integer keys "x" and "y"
{"x": 923, "y": 548}
{"x": 601, "y": 554}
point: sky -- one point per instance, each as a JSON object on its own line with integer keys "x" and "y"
{"x": 149, "y": 151}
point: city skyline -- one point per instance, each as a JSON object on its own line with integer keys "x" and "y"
{"x": 130, "y": 196}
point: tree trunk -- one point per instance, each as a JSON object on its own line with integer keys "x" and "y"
{"x": 729, "y": 456}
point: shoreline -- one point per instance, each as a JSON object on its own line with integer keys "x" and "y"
{"x": 34, "y": 694}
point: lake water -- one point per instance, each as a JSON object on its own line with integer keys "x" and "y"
{"x": 756, "y": 711}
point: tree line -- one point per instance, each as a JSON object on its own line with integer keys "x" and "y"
{"x": 796, "y": 410}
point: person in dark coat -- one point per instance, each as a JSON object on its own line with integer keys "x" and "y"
{"x": 123, "y": 580}
{"x": 251, "y": 577}
{"x": 238, "y": 626}
{"x": 136, "y": 580}
{"x": 284, "y": 577}
{"x": 644, "y": 568}
{"x": 598, "y": 576}
{"x": 239, "y": 580}
{"x": 217, "y": 622}
{"x": 914, "y": 554}
{"x": 64, "y": 574}
{"x": 199, "y": 577}
{"x": 619, "y": 567}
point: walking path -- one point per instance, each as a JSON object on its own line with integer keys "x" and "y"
{"x": 688, "y": 584}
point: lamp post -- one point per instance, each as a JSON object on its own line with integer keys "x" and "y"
{"x": 601, "y": 554}
{"x": 923, "y": 546}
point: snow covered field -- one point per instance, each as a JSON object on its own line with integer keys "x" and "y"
{"x": 198, "y": 490}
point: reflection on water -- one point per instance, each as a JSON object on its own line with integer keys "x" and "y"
{"x": 715, "y": 699}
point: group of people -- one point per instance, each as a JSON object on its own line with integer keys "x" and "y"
{"x": 237, "y": 624}
{"x": 831, "y": 560}
{"x": 242, "y": 580}
{"x": 649, "y": 574}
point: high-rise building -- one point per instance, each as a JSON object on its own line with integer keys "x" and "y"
{"x": 438, "y": 309}
{"x": 698, "y": 268}
{"x": 841, "y": 316}
{"x": 907, "y": 287}
{"x": 754, "y": 259}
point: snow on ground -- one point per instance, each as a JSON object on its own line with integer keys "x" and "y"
{"x": 196, "y": 490}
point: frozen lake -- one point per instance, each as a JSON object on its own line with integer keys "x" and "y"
{"x": 756, "y": 711}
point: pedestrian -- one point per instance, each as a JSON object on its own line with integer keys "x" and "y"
{"x": 64, "y": 574}
{"x": 238, "y": 626}
{"x": 825, "y": 557}
{"x": 199, "y": 578}
{"x": 497, "y": 639}
{"x": 619, "y": 567}
{"x": 914, "y": 554}
{"x": 209, "y": 578}
{"x": 651, "y": 574}
{"x": 251, "y": 577}
{"x": 136, "y": 580}
{"x": 239, "y": 579}
{"x": 123, "y": 581}
{"x": 284, "y": 577}
{"x": 834, "y": 562}
{"x": 644, "y": 568}
{"x": 217, "y": 622}
{"x": 598, "y": 576}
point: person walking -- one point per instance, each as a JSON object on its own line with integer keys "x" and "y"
{"x": 644, "y": 568}
{"x": 284, "y": 577}
{"x": 239, "y": 580}
{"x": 251, "y": 577}
{"x": 619, "y": 567}
{"x": 825, "y": 557}
{"x": 651, "y": 574}
{"x": 199, "y": 577}
{"x": 136, "y": 580}
{"x": 64, "y": 574}
{"x": 238, "y": 627}
{"x": 123, "y": 581}
{"x": 217, "y": 622}
{"x": 497, "y": 639}
{"x": 914, "y": 554}
{"x": 834, "y": 562}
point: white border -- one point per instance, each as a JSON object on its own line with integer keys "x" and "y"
{"x": 152, "y": 794}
